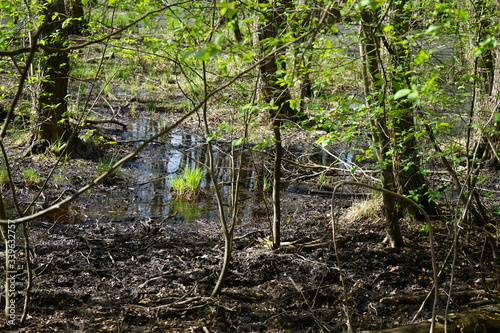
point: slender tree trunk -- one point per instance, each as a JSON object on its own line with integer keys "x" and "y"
{"x": 278, "y": 154}
{"x": 4, "y": 229}
{"x": 375, "y": 98}
{"x": 276, "y": 95}
{"x": 228, "y": 251}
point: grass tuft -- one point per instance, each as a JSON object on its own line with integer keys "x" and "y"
{"x": 106, "y": 163}
{"x": 363, "y": 209}
{"x": 31, "y": 176}
{"x": 186, "y": 185}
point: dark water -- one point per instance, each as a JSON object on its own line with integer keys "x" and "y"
{"x": 150, "y": 196}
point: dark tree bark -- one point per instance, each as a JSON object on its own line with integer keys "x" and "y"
{"x": 50, "y": 100}
{"x": 76, "y": 11}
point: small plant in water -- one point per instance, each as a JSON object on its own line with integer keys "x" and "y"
{"x": 178, "y": 185}
{"x": 188, "y": 210}
{"x": 31, "y": 176}
{"x": 266, "y": 183}
{"x": 106, "y": 163}
{"x": 186, "y": 185}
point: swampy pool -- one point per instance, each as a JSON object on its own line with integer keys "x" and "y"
{"x": 148, "y": 194}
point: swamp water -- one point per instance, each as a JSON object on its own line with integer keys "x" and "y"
{"x": 149, "y": 194}
{"x": 145, "y": 193}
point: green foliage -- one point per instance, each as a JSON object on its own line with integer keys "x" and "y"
{"x": 106, "y": 163}
{"x": 31, "y": 176}
{"x": 424, "y": 228}
{"x": 266, "y": 183}
{"x": 4, "y": 175}
{"x": 186, "y": 185}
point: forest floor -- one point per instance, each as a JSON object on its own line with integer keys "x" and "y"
{"x": 155, "y": 274}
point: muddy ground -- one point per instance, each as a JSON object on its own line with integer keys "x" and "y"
{"x": 100, "y": 273}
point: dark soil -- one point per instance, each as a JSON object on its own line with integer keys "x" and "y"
{"x": 99, "y": 273}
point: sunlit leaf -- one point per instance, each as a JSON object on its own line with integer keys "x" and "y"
{"x": 238, "y": 142}
{"x": 387, "y": 28}
{"x": 413, "y": 96}
{"x": 402, "y": 93}
{"x": 433, "y": 28}
{"x": 373, "y": 4}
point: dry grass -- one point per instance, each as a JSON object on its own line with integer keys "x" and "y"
{"x": 363, "y": 209}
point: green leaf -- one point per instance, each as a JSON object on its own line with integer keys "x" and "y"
{"x": 203, "y": 54}
{"x": 387, "y": 28}
{"x": 497, "y": 116}
{"x": 238, "y": 142}
{"x": 413, "y": 96}
{"x": 373, "y": 4}
{"x": 433, "y": 28}
{"x": 187, "y": 54}
{"x": 402, "y": 93}
{"x": 442, "y": 125}
{"x": 421, "y": 57}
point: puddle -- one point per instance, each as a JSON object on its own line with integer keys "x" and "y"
{"x": 151, "y": 197}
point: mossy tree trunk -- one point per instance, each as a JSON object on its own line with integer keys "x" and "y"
{"x": 51, "y": 98}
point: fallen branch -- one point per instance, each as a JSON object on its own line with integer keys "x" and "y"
{"x": 412, "y": 299}
{"x": 318, "y": 243}
{"x": 484, "y": 319}
{"x": 105, "y": 121}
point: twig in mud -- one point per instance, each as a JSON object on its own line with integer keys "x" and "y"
{"x": 246, "y": 235}
{"x": 105, "y": 121}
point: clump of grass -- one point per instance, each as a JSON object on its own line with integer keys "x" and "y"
{"x": 31, "y": 176}
{"x": 363, "y": 209}
{"x": 266, "y": 183}
{"x": 186, "y": 185}
{"x": 4, "y": 175}
{"x": 106, "y": 163}
{"x": 58, "y": 145}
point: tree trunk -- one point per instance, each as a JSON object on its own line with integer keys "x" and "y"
{"x": 76, "y": 12}
{"x": 410, "y": 178}
{"x": 278, "y": 155}
{"x": 50, "y": 100}
{"x": 276, "y": 95}
{"x": 393, "y": 122}
{"x": 375, "y": 98}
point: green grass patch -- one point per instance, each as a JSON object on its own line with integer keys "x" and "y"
{"x": 31, "y": 176}
{"x": 186, "y": 185}
{"x": 106, "y": 163}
